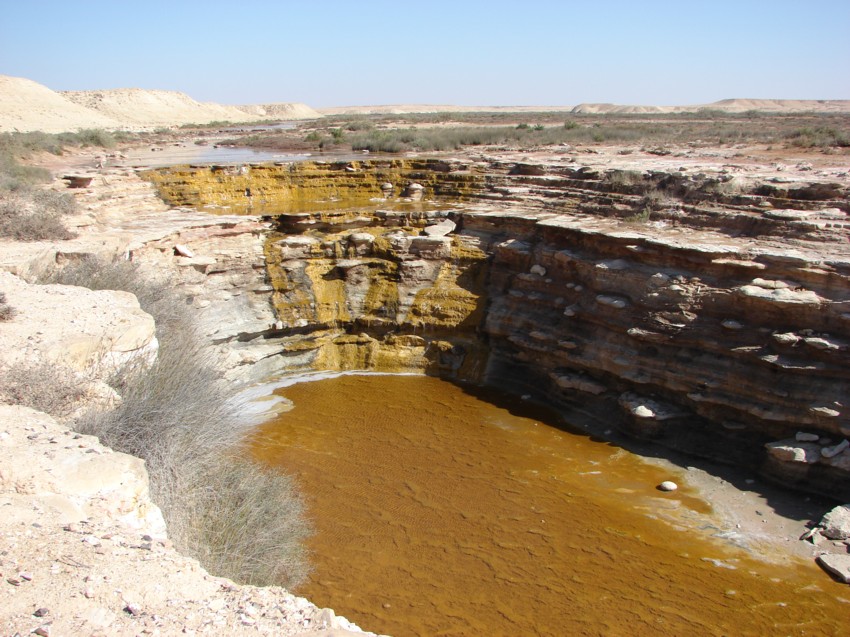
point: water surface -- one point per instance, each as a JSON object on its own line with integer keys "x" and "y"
{"x": 440, "y": 512}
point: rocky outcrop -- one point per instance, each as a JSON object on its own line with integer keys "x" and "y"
{"x": 397, "y": 294}
{"x": 83, "y": 550}
{"x": 314, "y": 186}
{"x": 93, "y": 330}
{"x": 709, "y": 318}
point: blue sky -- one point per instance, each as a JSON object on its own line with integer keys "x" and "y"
{"x": 522, "y": 52}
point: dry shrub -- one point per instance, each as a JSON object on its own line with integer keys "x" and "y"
{"x": 44, "y": 386}
{"x": 7, "y": 312}
{"x": 35, "y": 215}
{"x": 240, "y": 520}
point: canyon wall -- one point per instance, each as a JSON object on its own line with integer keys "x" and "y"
{"x": 707, "y": 313}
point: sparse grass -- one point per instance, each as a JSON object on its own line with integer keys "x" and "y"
{"x": 181, "y": 417}
{"x": 35, "y": 215}
{"x": 43, "y": 385}
{"x": 819, "y": 137}
{"x": 26, "y": 212}
{"x": 15, "y": 176}
{"x": 23, "y": 145}
{"x": 7, "y": 312}
{"x": 449, "y": 131}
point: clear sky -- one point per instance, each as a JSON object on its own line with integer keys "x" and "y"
{"x": 464, "y": 52}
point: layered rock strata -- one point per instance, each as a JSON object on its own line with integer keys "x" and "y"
{"x": 707, "y": 312}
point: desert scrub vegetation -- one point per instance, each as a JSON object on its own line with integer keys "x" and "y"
{"x": 819, "y": 137}
{"x": 7, "y": 312}
{"x": 393, "y": 133}
{"x": 30, "y": 214}
{"x": 241, "y": 520}
{"x": 44, "y": 386}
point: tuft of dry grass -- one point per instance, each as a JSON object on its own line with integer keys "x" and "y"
{"x": 44, "y": 386}
{"x": 7, "y": 312}
{"x": 35, "y": 215}
{"x": 178, "y": 414}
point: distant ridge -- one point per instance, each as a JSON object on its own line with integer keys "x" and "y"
{"x": 283, "y": 110}
{"x": 729, "y": 106}
{"x": 401, "y": 109}
{"x": 28, "y": 106}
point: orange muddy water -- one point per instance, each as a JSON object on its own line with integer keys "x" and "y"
{"x": 446, "y": 511}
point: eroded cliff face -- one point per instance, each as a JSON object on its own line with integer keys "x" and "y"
{"x": 708, "y": 314}
{"x": 319, "y": 186}
{"x": 384, "y": 291}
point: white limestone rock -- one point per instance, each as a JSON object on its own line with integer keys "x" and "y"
{"x": 297, "y": 247}
{"x": 612, "y": 301}
{"x": 837, "y": 565}
{"x": 446, "y": 226}
{"x": 803, "y": 436}
{"x": 786, "y": 338}
{"x": 431, "y": 247}
{"x": 784, "y": 296}
{"x": 793, "y": 451}
{"x": 830, "y": 452}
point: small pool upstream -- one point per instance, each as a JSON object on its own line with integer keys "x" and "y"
{"x": 444, "y": 510}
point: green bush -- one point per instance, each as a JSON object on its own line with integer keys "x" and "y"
{"x": 89, "y": 137}
{"x": 181, "y": 417}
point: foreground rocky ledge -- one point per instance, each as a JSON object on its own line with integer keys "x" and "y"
{"x": 85, "y": 552}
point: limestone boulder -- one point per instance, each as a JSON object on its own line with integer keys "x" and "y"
{"x": 361, "y": 242}
{"x": 836, "y": 565}
{"x": 431, "y": 247}
{"x": 793, "y": 450}
{"x": 86, "y": 480}
{"x": 836, "y": 523}
{"x": 441, "y": 229}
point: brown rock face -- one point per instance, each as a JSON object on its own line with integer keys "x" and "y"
{"x": 711, "y": 319}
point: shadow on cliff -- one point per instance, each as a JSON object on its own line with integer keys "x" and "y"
{"x": 599, "y": 424}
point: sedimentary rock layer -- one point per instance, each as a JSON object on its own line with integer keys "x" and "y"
{"x": 709, "y": 314}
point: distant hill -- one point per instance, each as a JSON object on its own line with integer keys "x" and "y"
{"x": 401, "y": 109}
{"x": 730, "y": 106}
{"x": 140, "y": 107}
{"x": 283, "y": 110}
{"x": 26, "y": 106}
